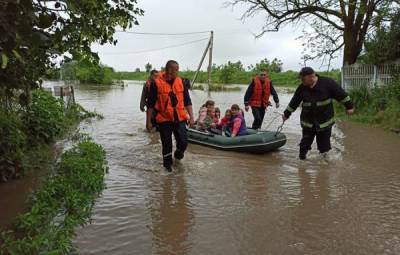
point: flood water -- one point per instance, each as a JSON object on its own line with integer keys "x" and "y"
{"x": 218, "y": 202}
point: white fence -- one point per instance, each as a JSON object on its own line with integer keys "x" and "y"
{"x": 356, "y": 76}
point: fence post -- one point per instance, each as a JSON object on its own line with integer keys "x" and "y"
{"x": 342, "y": 78}
{"x": 375, "y": 76}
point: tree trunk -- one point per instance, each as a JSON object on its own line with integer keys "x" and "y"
{"x": 352, "y": 47}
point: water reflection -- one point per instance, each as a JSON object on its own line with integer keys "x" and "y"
{"x": 171, "y": 216}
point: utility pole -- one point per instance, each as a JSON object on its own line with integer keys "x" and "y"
{"x": 210, "y": 58}
{"x": 209, "y": 50}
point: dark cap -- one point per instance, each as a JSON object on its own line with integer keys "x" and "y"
{"x": 306, "y": 71}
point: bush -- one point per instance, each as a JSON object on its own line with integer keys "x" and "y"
{"x": 63, "y": 203}
{"x": 379, "y": 106}
{"x": 44, "y": 119}
{"x": 12, "y": 143}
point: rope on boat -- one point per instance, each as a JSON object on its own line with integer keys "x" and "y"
{"x": 279, "y": 130}
{"x": 278, "y": 114}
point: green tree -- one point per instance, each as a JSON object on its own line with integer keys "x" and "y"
{"x": 35, "y": 33}
{"x": 335, "y": 25}
{"x": 275, "y": 66}
{"x": 384, "y": 44}
{"x": 148, "y": 67}
{"x": 227, "y": 71}
{"x": 88, "y": 72}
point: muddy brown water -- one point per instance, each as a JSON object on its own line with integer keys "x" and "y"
{"x": 218, "y": 202}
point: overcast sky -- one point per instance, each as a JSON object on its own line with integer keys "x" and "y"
{"x": 233, "y": 39}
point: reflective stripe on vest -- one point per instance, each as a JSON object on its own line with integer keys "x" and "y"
{"x": 346, "y": 99}
{"x": 257, "y": 99}
{"x": 165, "y": 110}
{"x": 306, "y": 124}
{"x": 322, "y": 125}
{"x": 319, "y": 103}
{"x": 290, "y": 109}
{"x": 327, "y": 123}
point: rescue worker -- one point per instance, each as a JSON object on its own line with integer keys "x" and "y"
{"x": 169, "y": 97}
{"x": 257, "y": 96}
{"x": 316, "y": 93}
{"x": 145, "y": 95}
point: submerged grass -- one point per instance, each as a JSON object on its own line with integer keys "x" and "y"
{"x": 216, "y": 87}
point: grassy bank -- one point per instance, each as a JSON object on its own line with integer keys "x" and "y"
{"x": 379, "y": 107}
{"x": 283, "y": 79}
{"x": 64, "y": 202}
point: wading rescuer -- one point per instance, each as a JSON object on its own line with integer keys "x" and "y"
{"x": 257, "y": 96}
{"x": 316, "y": 94}
{"x": 169, "y": 97}
{"x": 145, "y": 95}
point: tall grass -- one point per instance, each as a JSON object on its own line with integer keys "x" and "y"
{"x": 378, "y": 106}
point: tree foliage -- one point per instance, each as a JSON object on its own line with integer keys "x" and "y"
{"x": 333, "y": 25}
{"x": 148, "y": 67}
{"x": 34, "y": 33}
{"x": 384, "y": 45}
{"x": 228, "y": 70}
{"x": 272, "y": 66}
{"x": 86, "y": 71}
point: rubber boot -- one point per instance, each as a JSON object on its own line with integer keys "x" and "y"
{"x": 178, "y": 155}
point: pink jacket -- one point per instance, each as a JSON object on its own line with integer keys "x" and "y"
{"x": 202, "y": 116}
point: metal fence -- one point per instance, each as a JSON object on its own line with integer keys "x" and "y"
{"x": 358, "y": 75}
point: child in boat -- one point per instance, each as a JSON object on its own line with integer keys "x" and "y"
{"x": 238, "y": 123}
{"x": 217, "y": 113}
{"x": 209, "y": 105}
{"x": 225, "y": 121}
{"x": 210, "y": 121}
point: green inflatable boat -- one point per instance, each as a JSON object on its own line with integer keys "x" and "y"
{"x": 254, "y": 142}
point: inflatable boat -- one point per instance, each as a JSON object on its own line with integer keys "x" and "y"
{"x": 255, "y": 142}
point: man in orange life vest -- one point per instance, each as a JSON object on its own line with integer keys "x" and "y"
{"x": 145, "y": 95}
{"x": 169, "y": 97}
{"x": 257, "y": 96}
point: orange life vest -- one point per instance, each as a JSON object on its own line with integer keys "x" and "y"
{"x": 165, "y": 110}
{"x": 256, "y": 100}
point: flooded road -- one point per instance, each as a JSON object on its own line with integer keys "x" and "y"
{"x": 218, "y": 202}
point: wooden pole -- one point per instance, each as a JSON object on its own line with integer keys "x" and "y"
{"x": 73, "y": 94}
{"x": 210, "y": 58}
{"x": 201, "y": 62}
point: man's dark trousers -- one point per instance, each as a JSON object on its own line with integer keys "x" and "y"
{"x": 258, "y": 113}
{"x": 323, "y": 140}
{"x": 166, "y": 130}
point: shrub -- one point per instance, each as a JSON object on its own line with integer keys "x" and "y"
{"x": 44, "y": 118}
{"x": 12, "y": 143}
{"x": 63, "y": 203}
{"x": 380, "y": 106}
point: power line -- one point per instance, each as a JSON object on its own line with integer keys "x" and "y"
{"x": 143, "y": 33}
{"x": 157, "y": 49}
